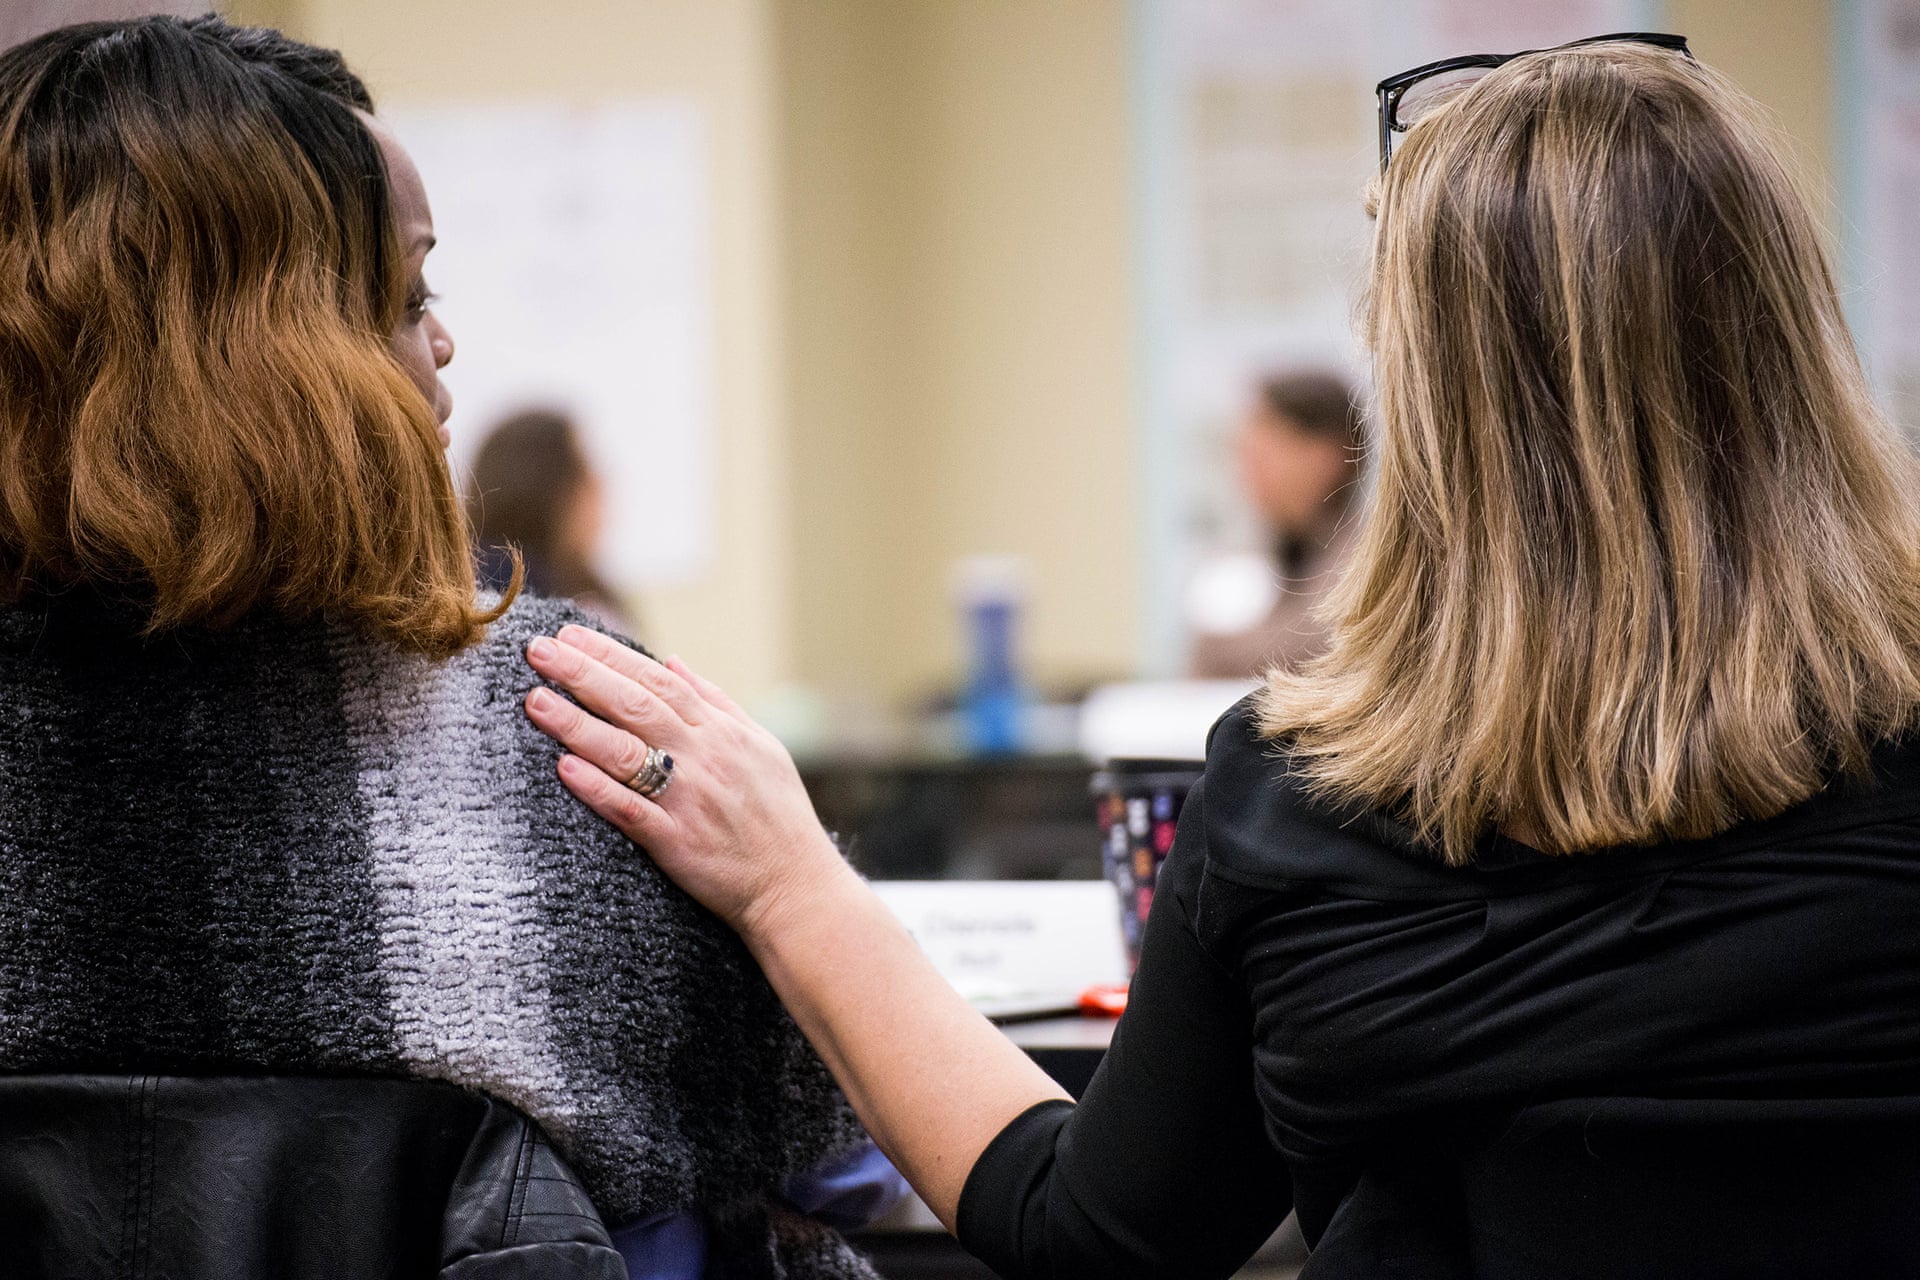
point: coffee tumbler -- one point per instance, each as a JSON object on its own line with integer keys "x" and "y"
{"x": 1138, "y": 804}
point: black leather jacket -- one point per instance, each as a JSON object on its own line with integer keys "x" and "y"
{"x": 211, "y": 1178}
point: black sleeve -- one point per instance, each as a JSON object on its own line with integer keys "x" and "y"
{"x": 1164, "y": 1167}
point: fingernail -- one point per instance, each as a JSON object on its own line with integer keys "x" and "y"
{"x": 542, "y": 649}
{"x": 541, "y": 700}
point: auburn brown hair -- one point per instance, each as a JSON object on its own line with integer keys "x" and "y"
{"x": 1642, "y": 559}
{"x": 199, "y": 274}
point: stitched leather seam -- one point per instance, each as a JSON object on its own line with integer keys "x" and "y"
{"x": 150, "y": 1153}
{"x": 516, "y": 1194}
{"x": 141, "y": 1254}
{"x": 129, "y": 1176}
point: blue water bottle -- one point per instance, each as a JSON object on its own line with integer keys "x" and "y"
{"x": 993, "y": 707}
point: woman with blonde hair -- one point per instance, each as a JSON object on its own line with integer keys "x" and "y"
{"x": 267, "y": 807}
{"x": 1563, "y": 918}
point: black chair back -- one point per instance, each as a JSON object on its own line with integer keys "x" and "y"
{"x": 239, "y": 1178}
{"x": 1708, "y": 1189}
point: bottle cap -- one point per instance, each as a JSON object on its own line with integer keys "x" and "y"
{"x": 991, "y": 579}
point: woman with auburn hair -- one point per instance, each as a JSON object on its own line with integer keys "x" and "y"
{"x": 1563, "y": 918}
{"x": 266, "y": 801}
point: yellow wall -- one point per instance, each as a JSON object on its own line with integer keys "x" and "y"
{"x": 287, "y": 15}
{"x": 1781, "y": 52}
{"x": 959, "y": 318}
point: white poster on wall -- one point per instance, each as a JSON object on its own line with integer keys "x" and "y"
{"x": 574, "y": 273}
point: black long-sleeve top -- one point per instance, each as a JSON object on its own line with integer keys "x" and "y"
{"x": 1319, "y": 1002}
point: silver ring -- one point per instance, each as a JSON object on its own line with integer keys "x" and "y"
{"x": 654, "y": 774}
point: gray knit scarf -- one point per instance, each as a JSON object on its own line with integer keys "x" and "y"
{"x": 288, "y": 848}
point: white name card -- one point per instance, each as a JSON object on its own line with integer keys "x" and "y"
{"x": 1012, "y": 945}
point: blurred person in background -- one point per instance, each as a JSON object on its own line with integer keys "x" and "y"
{"x": 534, "y": 491}
{"x": 1299, "y": 449}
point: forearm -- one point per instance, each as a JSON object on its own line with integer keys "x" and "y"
{"x": 932, "y": 1080}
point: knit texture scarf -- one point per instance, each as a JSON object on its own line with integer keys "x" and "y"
{"x": 291, "y": 849}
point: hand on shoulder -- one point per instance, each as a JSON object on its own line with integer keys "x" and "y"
{"x": 668, "y": 758}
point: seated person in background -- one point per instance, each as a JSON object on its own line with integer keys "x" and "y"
{"x": 1299, "y": 453}
{"x": 534, "y": 492}
{"x": 267, "y": 800}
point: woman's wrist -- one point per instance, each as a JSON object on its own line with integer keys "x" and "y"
{"x": 811, "y": 885}
{"x": 931, "y": 1079}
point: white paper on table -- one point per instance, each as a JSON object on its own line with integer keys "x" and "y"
{"x": 1013, "y": 946}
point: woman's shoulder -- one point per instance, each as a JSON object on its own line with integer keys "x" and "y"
{"x": 481, "y": 675}
{"x": 532, "y": 615}
{"x": 1251, "y": 768}
{"x": 451, "y": 735}
{"x": 546, "y": 958}
{"x": 1237, "y": 743}
{"x": 1267, "y": 827}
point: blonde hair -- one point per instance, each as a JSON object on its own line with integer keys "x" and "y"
{"x": 1642, "y": 559}
{"x": 199, "y": 410}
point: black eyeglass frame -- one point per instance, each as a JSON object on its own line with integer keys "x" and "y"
{"x": 1394, "y": 89}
